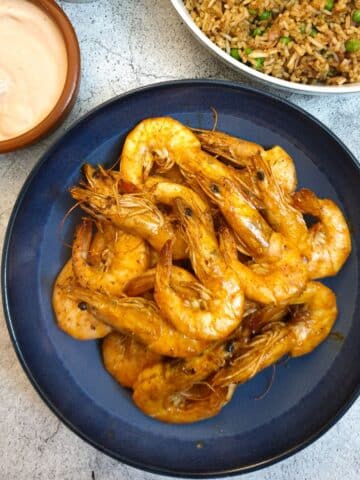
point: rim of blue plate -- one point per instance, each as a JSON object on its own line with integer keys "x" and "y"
{"x": 7, "y": 242}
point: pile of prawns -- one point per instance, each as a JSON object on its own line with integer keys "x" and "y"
{"x": 196, "y": 266}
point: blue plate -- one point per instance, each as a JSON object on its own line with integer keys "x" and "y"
{"x": 309, "y": 394}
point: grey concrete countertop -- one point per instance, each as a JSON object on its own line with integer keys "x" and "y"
{"x": 126, "y": 44}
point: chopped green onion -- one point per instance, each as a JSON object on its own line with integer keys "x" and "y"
{"x": 314, "y": 31}
{"x": 352, "y": 45}
{"x": 247, "y": 51}
{"x": 234, "y": 52}
{"x": 329, "y": 5}
{"x": 257, "y": 31}
{"x": 356, "y": 16}
{"x": 265, "y": 15}
{"x": 259, "y": 62}
{"x": 285, "y": 40}
{"x": 302, "y": 28}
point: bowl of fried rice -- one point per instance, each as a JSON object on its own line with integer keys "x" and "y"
{"x": 307, "y": 46}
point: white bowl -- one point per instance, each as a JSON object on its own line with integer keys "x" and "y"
{"x": 251, "y": 72}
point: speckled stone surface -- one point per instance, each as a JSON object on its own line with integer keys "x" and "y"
{"x": 126, "y": 44}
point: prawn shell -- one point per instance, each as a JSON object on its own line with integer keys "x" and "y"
{"x": 120, "y": 257}
{"x": 125, "y": 358}
{"x": 78, "y": 323}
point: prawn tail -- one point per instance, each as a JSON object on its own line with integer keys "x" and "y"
{"x": 307, "y": 202}
{"x": 163, "y": 268}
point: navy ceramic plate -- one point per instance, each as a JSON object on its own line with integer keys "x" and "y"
{"x": 309, "y": 394}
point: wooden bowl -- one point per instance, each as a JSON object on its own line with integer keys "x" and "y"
{"x": 71, "y": 87}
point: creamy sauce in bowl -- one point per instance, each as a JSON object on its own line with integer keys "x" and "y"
{"x": 33, "y": 66}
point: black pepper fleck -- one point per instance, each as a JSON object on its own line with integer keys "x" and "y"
{"x": 83, "y": 306}
{"x": 260, "y": 176}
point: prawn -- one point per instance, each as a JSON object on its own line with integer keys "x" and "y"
{"x": 312, "y": 316}
{"x": 124, "y": 257}
{"x": 219, "y": 308}
{"x": 240, "y": 153}
{"x": 71, "y": 313}
{"x": 182, "y": 281}
{"x": 131, "y": 213}
{"x": 177, "y": 391}
{"x": 329, "y": 238}
{"x": 277, "y": 207}
{"x": 162, "y": 139}
{"x": 125, "y": 358}
{"x": 276, "y": 278}
{"x": 142, "y": 318}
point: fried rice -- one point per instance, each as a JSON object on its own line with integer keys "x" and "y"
{"x": 312, "y": 42}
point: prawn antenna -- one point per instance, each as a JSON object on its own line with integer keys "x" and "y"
{"x": 61, "y": 224}
{"x": 270, "y": 384}
{"x": 215, "y": 117}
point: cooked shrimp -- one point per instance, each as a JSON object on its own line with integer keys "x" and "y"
{"x": 140, "y": 317}
{"x": 220, "y": 304}
{"x": 240, "y": 153}
{"x": 329, "y": 238}
{"x": 222, "y": 186}
{"x": 125, "y": 358}
{"x": 251, "y": 358}
{"x": 313, "y": 319}
{"x": 276, "y": 278}
{"x": 214, "y": 314}
{"x": 310, "y": 323}
{"x": 124, "y": 257}
{"x": 131, "y": 213}
{"x": 162, "y": 139}
{"x": 182, "y": 281}
{"x": 177, "y": 392}
{"x": 72, "y": 315}
{"x": 277, "y": 207}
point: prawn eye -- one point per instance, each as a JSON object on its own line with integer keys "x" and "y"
{"x": 230, "y": 347}
{"x": 260, "y": 176}
{"x": 83, "y": 306}
{"x": 214, "y": 188}
{"x": 188, "y": 212}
